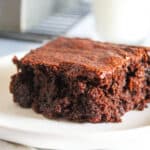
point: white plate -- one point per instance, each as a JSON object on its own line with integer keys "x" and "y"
{"x": 26, "y": 127}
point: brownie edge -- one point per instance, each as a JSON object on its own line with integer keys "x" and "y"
{"x": 83, "y": 80}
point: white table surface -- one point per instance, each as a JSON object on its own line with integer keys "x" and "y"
{"x": 11, "y": 146}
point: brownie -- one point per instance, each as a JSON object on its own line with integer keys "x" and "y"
{"x": 83, "y": 80}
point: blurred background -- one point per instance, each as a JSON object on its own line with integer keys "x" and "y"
{"x": 25, "y": 24}
{"x": 39, "y": 20}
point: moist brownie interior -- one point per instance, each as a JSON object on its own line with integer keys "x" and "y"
{"x": 83, "y": 80}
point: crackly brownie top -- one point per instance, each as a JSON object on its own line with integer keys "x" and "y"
{"x": 90, "y": 54}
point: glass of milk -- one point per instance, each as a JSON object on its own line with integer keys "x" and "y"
{"x": 122, "y": 21}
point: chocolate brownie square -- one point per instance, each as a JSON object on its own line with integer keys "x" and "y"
{"x": 83, "y": 80}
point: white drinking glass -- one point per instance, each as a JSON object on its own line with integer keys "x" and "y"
{"x": 122, "y": 21}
